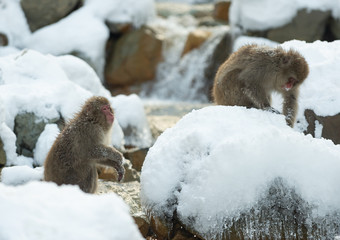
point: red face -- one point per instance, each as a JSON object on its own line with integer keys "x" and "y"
{"x": 289, "y": 84}
{"x": 108, "y": 113}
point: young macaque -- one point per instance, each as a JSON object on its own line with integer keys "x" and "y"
{"x": 249, "y": 76}
{"x": 81, "y": 145}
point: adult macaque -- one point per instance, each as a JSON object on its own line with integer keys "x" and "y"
{"x": 249, "y": 76}
{"x": 81, "y": 145}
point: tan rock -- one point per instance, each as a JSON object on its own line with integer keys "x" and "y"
{"x": 142, "y": 223}
{"x": 330, "y": 125}
{"x": 41, "y": 13}
{"x": 221, "y": 11}
{"x": 134, "y": 58}
{"x": 195, "y": 39}
{"x": 136, "y": 157}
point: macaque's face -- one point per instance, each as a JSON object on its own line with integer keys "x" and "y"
{"x": 289, "y": 84}
{"x": 108, "y": 112}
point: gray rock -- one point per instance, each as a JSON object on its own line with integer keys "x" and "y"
{"x": 3, "y": 39}
{"x": 221, "y": 52}
{"x": 28, "y": 128}
{"x": 306, "y": 25}
{"x": 42, "y": 13}
{"x": 335, "y": 28}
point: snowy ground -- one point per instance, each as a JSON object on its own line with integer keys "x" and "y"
{"x": 41, "y": 210}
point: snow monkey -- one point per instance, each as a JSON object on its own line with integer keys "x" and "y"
{"x": 80, "y": 146}
{"x": 249, "y": 76}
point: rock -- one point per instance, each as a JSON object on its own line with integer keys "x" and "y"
{"x": 158, "y": 124}
{"x": 109, "y": 173}
{"x": 330, "y": 125}
{"x": 134, "y": 58}
{"x": 142, "y": 223}
{"x": 119, "y": 28}
{"x": 136, "y": 157}
{"x": 3, "y": 157}
{"x": 28, "y": 128}
{"x": 42, "y": 13}
{"x": 3, "y": 39}
{"x": 335, "y": 28}
{"x": 221, "y": 52}
{"x": 306, "y": 25}
{"x": 195, "y": 39}
{"x": 221, "y": 11}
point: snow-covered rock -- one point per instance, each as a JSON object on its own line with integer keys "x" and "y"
{"x": 221, "y": 165}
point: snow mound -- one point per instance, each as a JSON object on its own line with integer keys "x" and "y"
{"x": 41, "y": 210}
{"x": 218, "y": 164}
{"x": 19, "y": 175}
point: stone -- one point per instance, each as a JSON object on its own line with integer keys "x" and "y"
{"x": 335, "y": 28}
{"x": 42, "y": 13}
{"x": 221, "y": 52}
{"x": 195, "y": 39}
{"x": 221, "y": 11}
{"x": 330, "y": 125}
{"x": 119, "y": 28}
{"x": 3, "y": 157}
{"x": 306, "y": 25}
{"x": 158, "y": 124}
{"x": 142, "y": 223}
{"x": 109, "y": 173}
{"x": 134, "y": 58}
{"x": 28, "y": 128}
{"x": 136, "y": 157}
{"x": 3, "y": 39}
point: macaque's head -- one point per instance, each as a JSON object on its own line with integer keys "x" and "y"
{"x": 98, "y": 109}
{"x": 294, "y": 70}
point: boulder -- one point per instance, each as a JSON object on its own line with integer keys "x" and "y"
{"x": 3, "y": 39}
{"x": 42, "y": 13}
{"x": 330, "y": 125}
{"x": 28, "y": 128}
{"x": 221, "y": 11}
{"x": 306, "y": 25}
{"x": 136, "y": 157}
{"x": 220, "y": 54}
{"x": 335, "y": 28}
{"x": 3, "y": 157}
{"x": 195, "y": 39}
{"x": 134, "y": 58}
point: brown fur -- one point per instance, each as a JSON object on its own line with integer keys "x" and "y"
{"x": 249, "y": 76}
{"x": 80, "y": 146}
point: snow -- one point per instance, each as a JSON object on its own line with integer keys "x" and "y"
{"x": 40, "y": 210}
{"x": 218, "y": 162}
{"x": 19, "y": 175}
{"x": 266, "y": 14}
{"x": 131, "y": 116}
{"x": 53, "y": 87}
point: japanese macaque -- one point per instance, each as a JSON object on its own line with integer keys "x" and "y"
{"x": 81, "y": 145}
{"x": 249, "y": 76}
